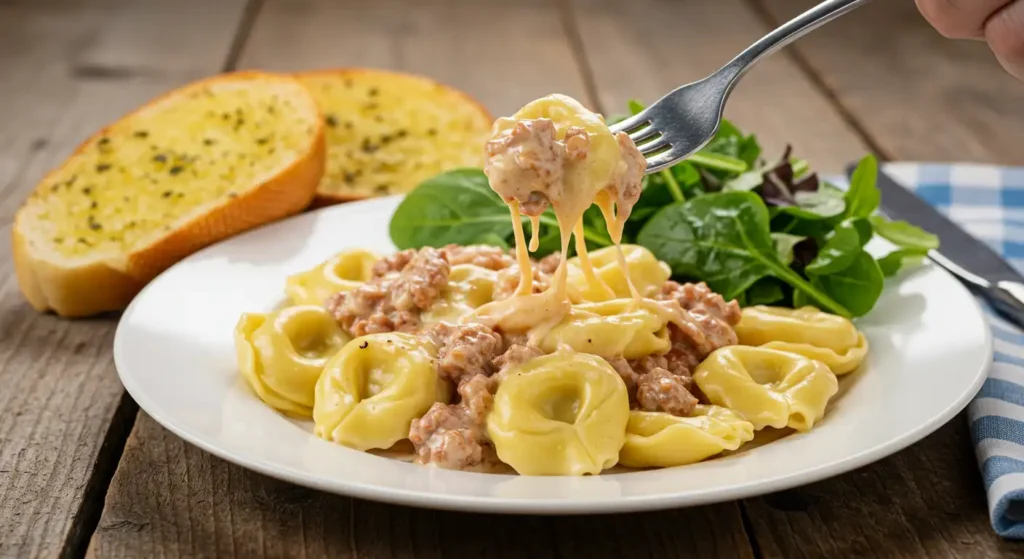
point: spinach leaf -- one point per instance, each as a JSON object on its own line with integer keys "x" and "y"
{"x": 820, "y": 204}
{"x": 764, "y": 291}
{"x": 892, "y": 263}
{"x": 842, "y": 246}
{"x": 863, "y": 196}
{"x": 731, "y": 141}
{"x": 723, "y": 239}
{"x": 858, "y": 287}
{"x": 745, "y": 182}
{"x": 453, "y": 207}
{"x": 904, "y": 235}
{"x": 784, "y": 243}
{"x": 801, "y": 300}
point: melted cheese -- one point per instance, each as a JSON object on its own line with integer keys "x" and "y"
{"x": 556, "y": 151}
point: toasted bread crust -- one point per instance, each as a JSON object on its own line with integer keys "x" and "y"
{"x": 77, "y": 290}
{"x": 326, "y": 198}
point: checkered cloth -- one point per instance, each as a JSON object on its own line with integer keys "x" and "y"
{"x": 988, "y": 202}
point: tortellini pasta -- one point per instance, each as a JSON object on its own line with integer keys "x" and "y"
{"x": 369, "y": 393}
{"x": 469, "y": 287}
{"x": 767, "y": 387}
{"x": 647, "y": 272}
{"x": 828, "y": 338}
{"x": 344, "y": 271}
{"x": 612, "y": 328}
{"x": 560, "y": 414}
{"x": 281, "y": 354}
{"x": 657, "y": 439}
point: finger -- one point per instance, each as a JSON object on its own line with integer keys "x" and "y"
{"x": 960, "y": 19}
{"x": 1004, "y": 32}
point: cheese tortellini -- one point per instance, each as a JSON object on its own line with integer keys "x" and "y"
{"x": 767, "y": 387}
{"x": 657, "y": 439}
{"x": 281, "y": 354}
{"x": 344, "y": 271}
{"x": 370, "y": 392}
{"x": 828, "y": 338}
{"x": 612, "y": 328}
{"x": 560, "y": 414}
{"x": 647, "y": 272}
{"x": 469, "y": 287}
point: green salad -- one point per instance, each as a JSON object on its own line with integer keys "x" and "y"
{"x": 762, "y": 232}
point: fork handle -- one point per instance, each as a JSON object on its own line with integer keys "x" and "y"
{"x": 785, "y": 34}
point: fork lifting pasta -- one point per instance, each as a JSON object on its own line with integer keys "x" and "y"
{"x": 482, "y": 357}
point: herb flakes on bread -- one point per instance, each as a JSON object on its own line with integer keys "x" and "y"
{"x": 195, "y": 166}
{"x": 388, "y": 131}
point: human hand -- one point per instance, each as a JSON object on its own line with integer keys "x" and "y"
{"x": 1000, "y": 23}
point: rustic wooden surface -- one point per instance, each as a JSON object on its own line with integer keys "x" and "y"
{"x": 68, "y": 66}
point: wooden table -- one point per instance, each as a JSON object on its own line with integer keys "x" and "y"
{"x": 83, "y": 471}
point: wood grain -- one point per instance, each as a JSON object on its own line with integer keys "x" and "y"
{"x": 927, "y": 501}
{"x": 505, "y": 54}
{"x": 916, "y": 95}
{"x": 645, "y": 48}
{"x": 170, "y": 499}
{"x": 68, "y": 68}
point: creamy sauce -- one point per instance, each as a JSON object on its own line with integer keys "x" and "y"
{"x": 555, "y": 151}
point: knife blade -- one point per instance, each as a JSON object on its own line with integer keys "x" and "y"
{"x": 956, "y": 244}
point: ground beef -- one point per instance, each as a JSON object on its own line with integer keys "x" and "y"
{"x": 526, "y": 163}
{"x": 393, "y": 263}
{"x": 516, "y": 354}
{"x": 666, "y": 361}
{"x": 393, "y": 301}
{"x": 626, "y": 372}
{"x": 447, "y": 437}
{"x": 477, "y": 396}
{"x": 465, "y": 350}
{"x": 454, "y": 436}
{"x": 710, "y": 323}
{"x": 660, "y": 390}
{"x": 549, "y": 263}
{"x": 492, "y": 258}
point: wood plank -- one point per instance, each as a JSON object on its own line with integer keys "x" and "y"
{"x": 504, "y": 54}
{"x": 171, "y": 499}
{"x": 917, "y": 95}
{"x": 927, "y": 500}
{"x": 645, "y": 48}
{"x": 68, "y": 68}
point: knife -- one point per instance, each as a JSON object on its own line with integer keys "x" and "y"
{"x": 976, "y": 265}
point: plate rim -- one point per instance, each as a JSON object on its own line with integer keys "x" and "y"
{"x": 443, "y": 501}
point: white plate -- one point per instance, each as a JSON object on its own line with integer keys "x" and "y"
{"x": 930, "y": 348}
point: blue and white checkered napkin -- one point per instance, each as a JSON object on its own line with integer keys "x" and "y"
{"x": 988, "y": 202}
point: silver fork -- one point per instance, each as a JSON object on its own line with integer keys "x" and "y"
{"x": 686, "y": 119}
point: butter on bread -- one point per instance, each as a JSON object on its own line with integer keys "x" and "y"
{"x": 192, "y": 167}
{"x": 388, "y": 131}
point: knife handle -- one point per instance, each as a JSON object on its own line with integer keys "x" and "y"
{"x": 1006, "y": 297}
